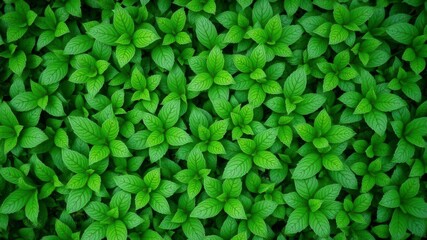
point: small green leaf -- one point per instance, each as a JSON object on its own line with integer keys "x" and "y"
{"x": 298, "y": 221}
{"x": 391, "y": 199}
{"x": 267, "y": 160}
{"x": 164, "y": 57}
{"x": 207, "y": 209}
{"x": 307, "y": 167}
{"x": 234, "y": 208}
{"x": 87, "y": 130}
{"x": 177, "y": 137}
{"x": 117, "y": 230}
{"x": 32, "y": 137}
{"x": 15, "y": 201}
{"x": 238, "y": 166}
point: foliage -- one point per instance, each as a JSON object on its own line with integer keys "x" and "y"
{"x": 204, "y": 119}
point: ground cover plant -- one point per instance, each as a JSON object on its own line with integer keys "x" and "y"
{"x": 203, "y": 119}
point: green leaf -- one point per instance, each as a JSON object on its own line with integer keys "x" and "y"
{"x": 238, "y": 166}
{"x": 77, "y": 199}
{"x": 291, "y": 7}
{"x": 402, "y": 32}
{"x": 122, "y": 21}
{"x": 87, "y": 130}
{"x": 216, "y": 147}
{"x": 305, "y": 131}
{"x": 258, "y": 226}
{"x": 298, "y": 221}
{"x": 159, "y": 203}
{"x": 7, "y": 117}
{"x": 116, "y": 231}
{"x": 55, "y": 107}
{"x": 141, "y": 200}
{"x": 11, "y": 174}
{"x": 24, "y": 102}
{"x": 242, "y": 63}
{"x": 377, "y": 121}
{"x": 62, "y": 229}
{"x": 78, "y": 44}
{"x": 179, "y": 18}
{"x": 245, "y": 3}
{"x": 169, "y": 114}
{"x": 193, "y": 229}
{"x": 295, "y": 83}
{"x": 328, "y": 193}
{"x": 32, "y": 208}
{"x": 310, "y": 103}
{"x": 362, "y": 14}
{"x": 391, "y": 199}
{"x": 265, "y": 139}
{"x": 164, "y": 57}
{"x": 323, "y": 122}
{"x": 177, "y": 137}
{"x": 416, "y": 207}
{"x": 332, "y": 162}
{"x": 409, "y": 188}
{"x": 263, "y": 208}
{"x": 339, "y": 134}
{"x": 364, "y": 106}
{"x": 153, "y": 123}
{"x": 32, "y": 137}
{"x": 77, "y": 181}
{"x": 74, "y": 161}
{"x": 345, "y": 177}
{"x": 262, "y": 12}
{"x": 94, "y": 183}
{"x": 223, "y": 78}
{"x": 104, "y": 33}
{"x": 132, "y": 220}
{"x": 316, "y": 47}
{"x": 234, "y": 35}
{"x": 167, "y": 188}
{"x": 7, "y": 132}
{"x": 341, "y": 14}
{"x": 61, "y": 29}
{"x": 338, "y": 34}
{"x": 110, "y": 128}
{"x": 398, "y": 225}
{"x": 218, "y": 129}
{"x": 18, "y": 62}
{"x": 206, "y": 32}
{"x": 15, "y": 201}
{"x": 95, "y": 231}
{"x": 307, "y": 187}
{"x": 320, "y": 224}
{"x": 274, "y": 28}
{"x": 144, "y": 37}
{"x": 201, "y": 82}
{"x": 207, "y": 209}
{"x": 129, "y": 183}
{"x": 215, "y": 61}
{"x": 234, "y": 208}
{"x": 256, "y": 95}
{"x": 351, "y": 99}
{"x": 388, "y": 102}
{"x": 362, "y": 202}
{"x": 119, "y": 149}
{"x": 124, "y": 54}
{"x": 150, "y": 234}
{"x": 152, "y": 178}
{"x": 307, "y": 167}
{"x": 267, "y": 160}
{"x": 121, "y": 200}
